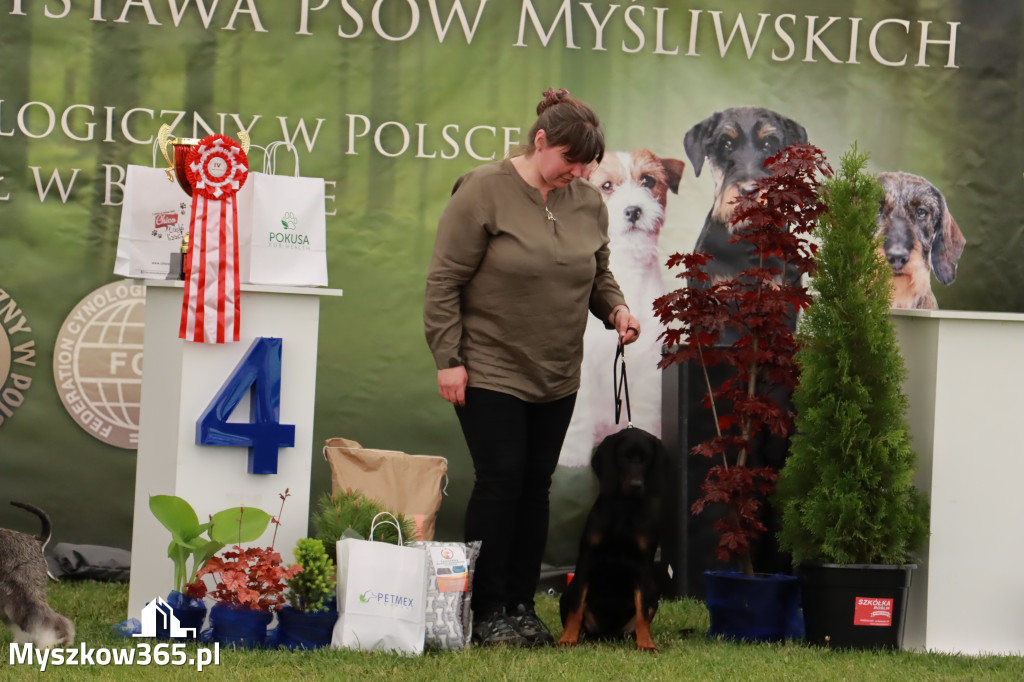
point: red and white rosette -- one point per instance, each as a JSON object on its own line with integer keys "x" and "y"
{"x": 216, "y": 168}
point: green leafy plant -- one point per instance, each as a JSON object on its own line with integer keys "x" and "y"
{"x": 314, "y": 585}
{"x": 845, "y": 492}
{"x": 252, "y": 577}
{"x": 187, "y": 534}
{"x": 351, "y": 514}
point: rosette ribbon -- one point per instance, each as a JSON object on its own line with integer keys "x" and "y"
{"x": 217, "y": 168}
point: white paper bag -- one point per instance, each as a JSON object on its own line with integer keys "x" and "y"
{"x": 154, "y": 216}
{"x": 283, "y": 227}
{"x": 381, "y": 594}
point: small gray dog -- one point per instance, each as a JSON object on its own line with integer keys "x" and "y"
{"x": 23, "y": 573}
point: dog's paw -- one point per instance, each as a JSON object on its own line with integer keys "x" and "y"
{"x": 567, "y": 641}
{"x": 647, "y": 646}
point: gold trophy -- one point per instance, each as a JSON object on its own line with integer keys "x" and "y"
{"x": 180, "y": 148}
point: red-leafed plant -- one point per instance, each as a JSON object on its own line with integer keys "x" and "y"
{"x": 757, "y": 308}
{"x": 251, "y": 577}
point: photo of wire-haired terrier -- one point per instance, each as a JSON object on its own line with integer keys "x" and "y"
{"x": 919, "y": 237}
{"x": 23, "y": 575}
{"x": 635, "y": 186}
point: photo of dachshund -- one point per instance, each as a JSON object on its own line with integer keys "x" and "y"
{"x": 614, "y": 593}
{"x": 635, "y": 186}
{"x": 735, "y": 142}
{"x": 920, "y": 237}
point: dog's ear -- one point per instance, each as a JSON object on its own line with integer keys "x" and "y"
{"x": 794, "y": 131}
{"x": 597, "y": 460}
{"x": 947, "y": 245}
{"x": 696, "y": 141}
{"x": 673, "y": 173}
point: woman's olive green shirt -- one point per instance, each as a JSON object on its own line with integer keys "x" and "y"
{"x": 512, "y": 280}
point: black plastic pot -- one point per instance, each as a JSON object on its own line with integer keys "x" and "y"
{"x": 855, "y": 606}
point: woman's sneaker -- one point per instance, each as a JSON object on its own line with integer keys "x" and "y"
{"x": 496, "y": 628}
{"x": 530, "y": 627}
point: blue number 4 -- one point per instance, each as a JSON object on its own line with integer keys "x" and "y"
{"x": 259, "y": 374}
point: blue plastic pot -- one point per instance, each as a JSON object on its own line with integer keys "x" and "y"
{"x": 304, "y": 630}
{"x": 191, "y": 614}
{"x": 239, "y": 627}
{"x": 757, "y": 608}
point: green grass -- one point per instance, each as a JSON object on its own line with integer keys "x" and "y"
{"x": 685, "y": 654}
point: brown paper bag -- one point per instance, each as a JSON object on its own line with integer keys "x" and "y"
{"x": 408, "y": 484}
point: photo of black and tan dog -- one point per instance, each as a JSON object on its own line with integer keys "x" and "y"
{"x": 635, "y": 186}
{"x": 614, "y": 593}
{"x": 735, "y": 142}
{"x": 920, "y": 237}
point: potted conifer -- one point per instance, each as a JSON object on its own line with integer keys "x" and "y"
{"x": 849, "y": 509}
{"x": 736, "y": 333}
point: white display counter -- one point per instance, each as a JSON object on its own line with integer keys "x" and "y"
{"x": 965, "y": 387}
{"x": 179, "y": 381}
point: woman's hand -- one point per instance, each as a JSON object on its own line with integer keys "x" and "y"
{"x": 451, "y": 384}
{"x": 625, "y": 324}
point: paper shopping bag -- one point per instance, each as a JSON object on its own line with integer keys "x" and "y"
{"x": 154, "y": 216}
{"x": 286, "y": 242}
{"x": 381, "y": 595}
{"x": 408, "y": 484}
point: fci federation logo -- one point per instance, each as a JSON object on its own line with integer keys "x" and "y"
{"x": 97, "y": 363}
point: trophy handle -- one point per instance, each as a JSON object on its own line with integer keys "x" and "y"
{"x": 163, "y": 139}
{"x": 243, "y": 140}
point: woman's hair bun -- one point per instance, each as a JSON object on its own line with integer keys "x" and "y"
{"x": 552, "y": 97}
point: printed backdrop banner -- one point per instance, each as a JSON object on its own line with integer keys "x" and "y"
{"x": 389, "y": 101}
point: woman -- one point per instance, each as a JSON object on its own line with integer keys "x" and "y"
{"x": 520, "y": 258}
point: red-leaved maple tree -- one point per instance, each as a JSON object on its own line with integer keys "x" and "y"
{"x": 251, "y": 577}
{"x": 756, "y": 310}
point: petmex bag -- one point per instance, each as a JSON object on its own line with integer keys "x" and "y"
{"x": 381, "y": 594}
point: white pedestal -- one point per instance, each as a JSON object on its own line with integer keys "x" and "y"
{"x": 179, "y": 381}
{"x": 965, "y": 387}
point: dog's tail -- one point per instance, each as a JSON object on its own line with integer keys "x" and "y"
{"x": 44, "y": 535}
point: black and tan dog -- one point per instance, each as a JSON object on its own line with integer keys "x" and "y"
{"x": 735, "y": 142}
{"x": 919, "y": 236}
{"x": 614, "y": 593}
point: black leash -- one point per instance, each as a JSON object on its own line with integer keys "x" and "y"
{"x": 621, "y": 384}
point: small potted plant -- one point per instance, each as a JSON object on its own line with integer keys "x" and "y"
{"x": 189, "y": 550}
{"x": 307, "y": 621}
{"x": 849, "y": 509}
{"x": 249, "y": 583}
{"x": 747, "y": 381}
